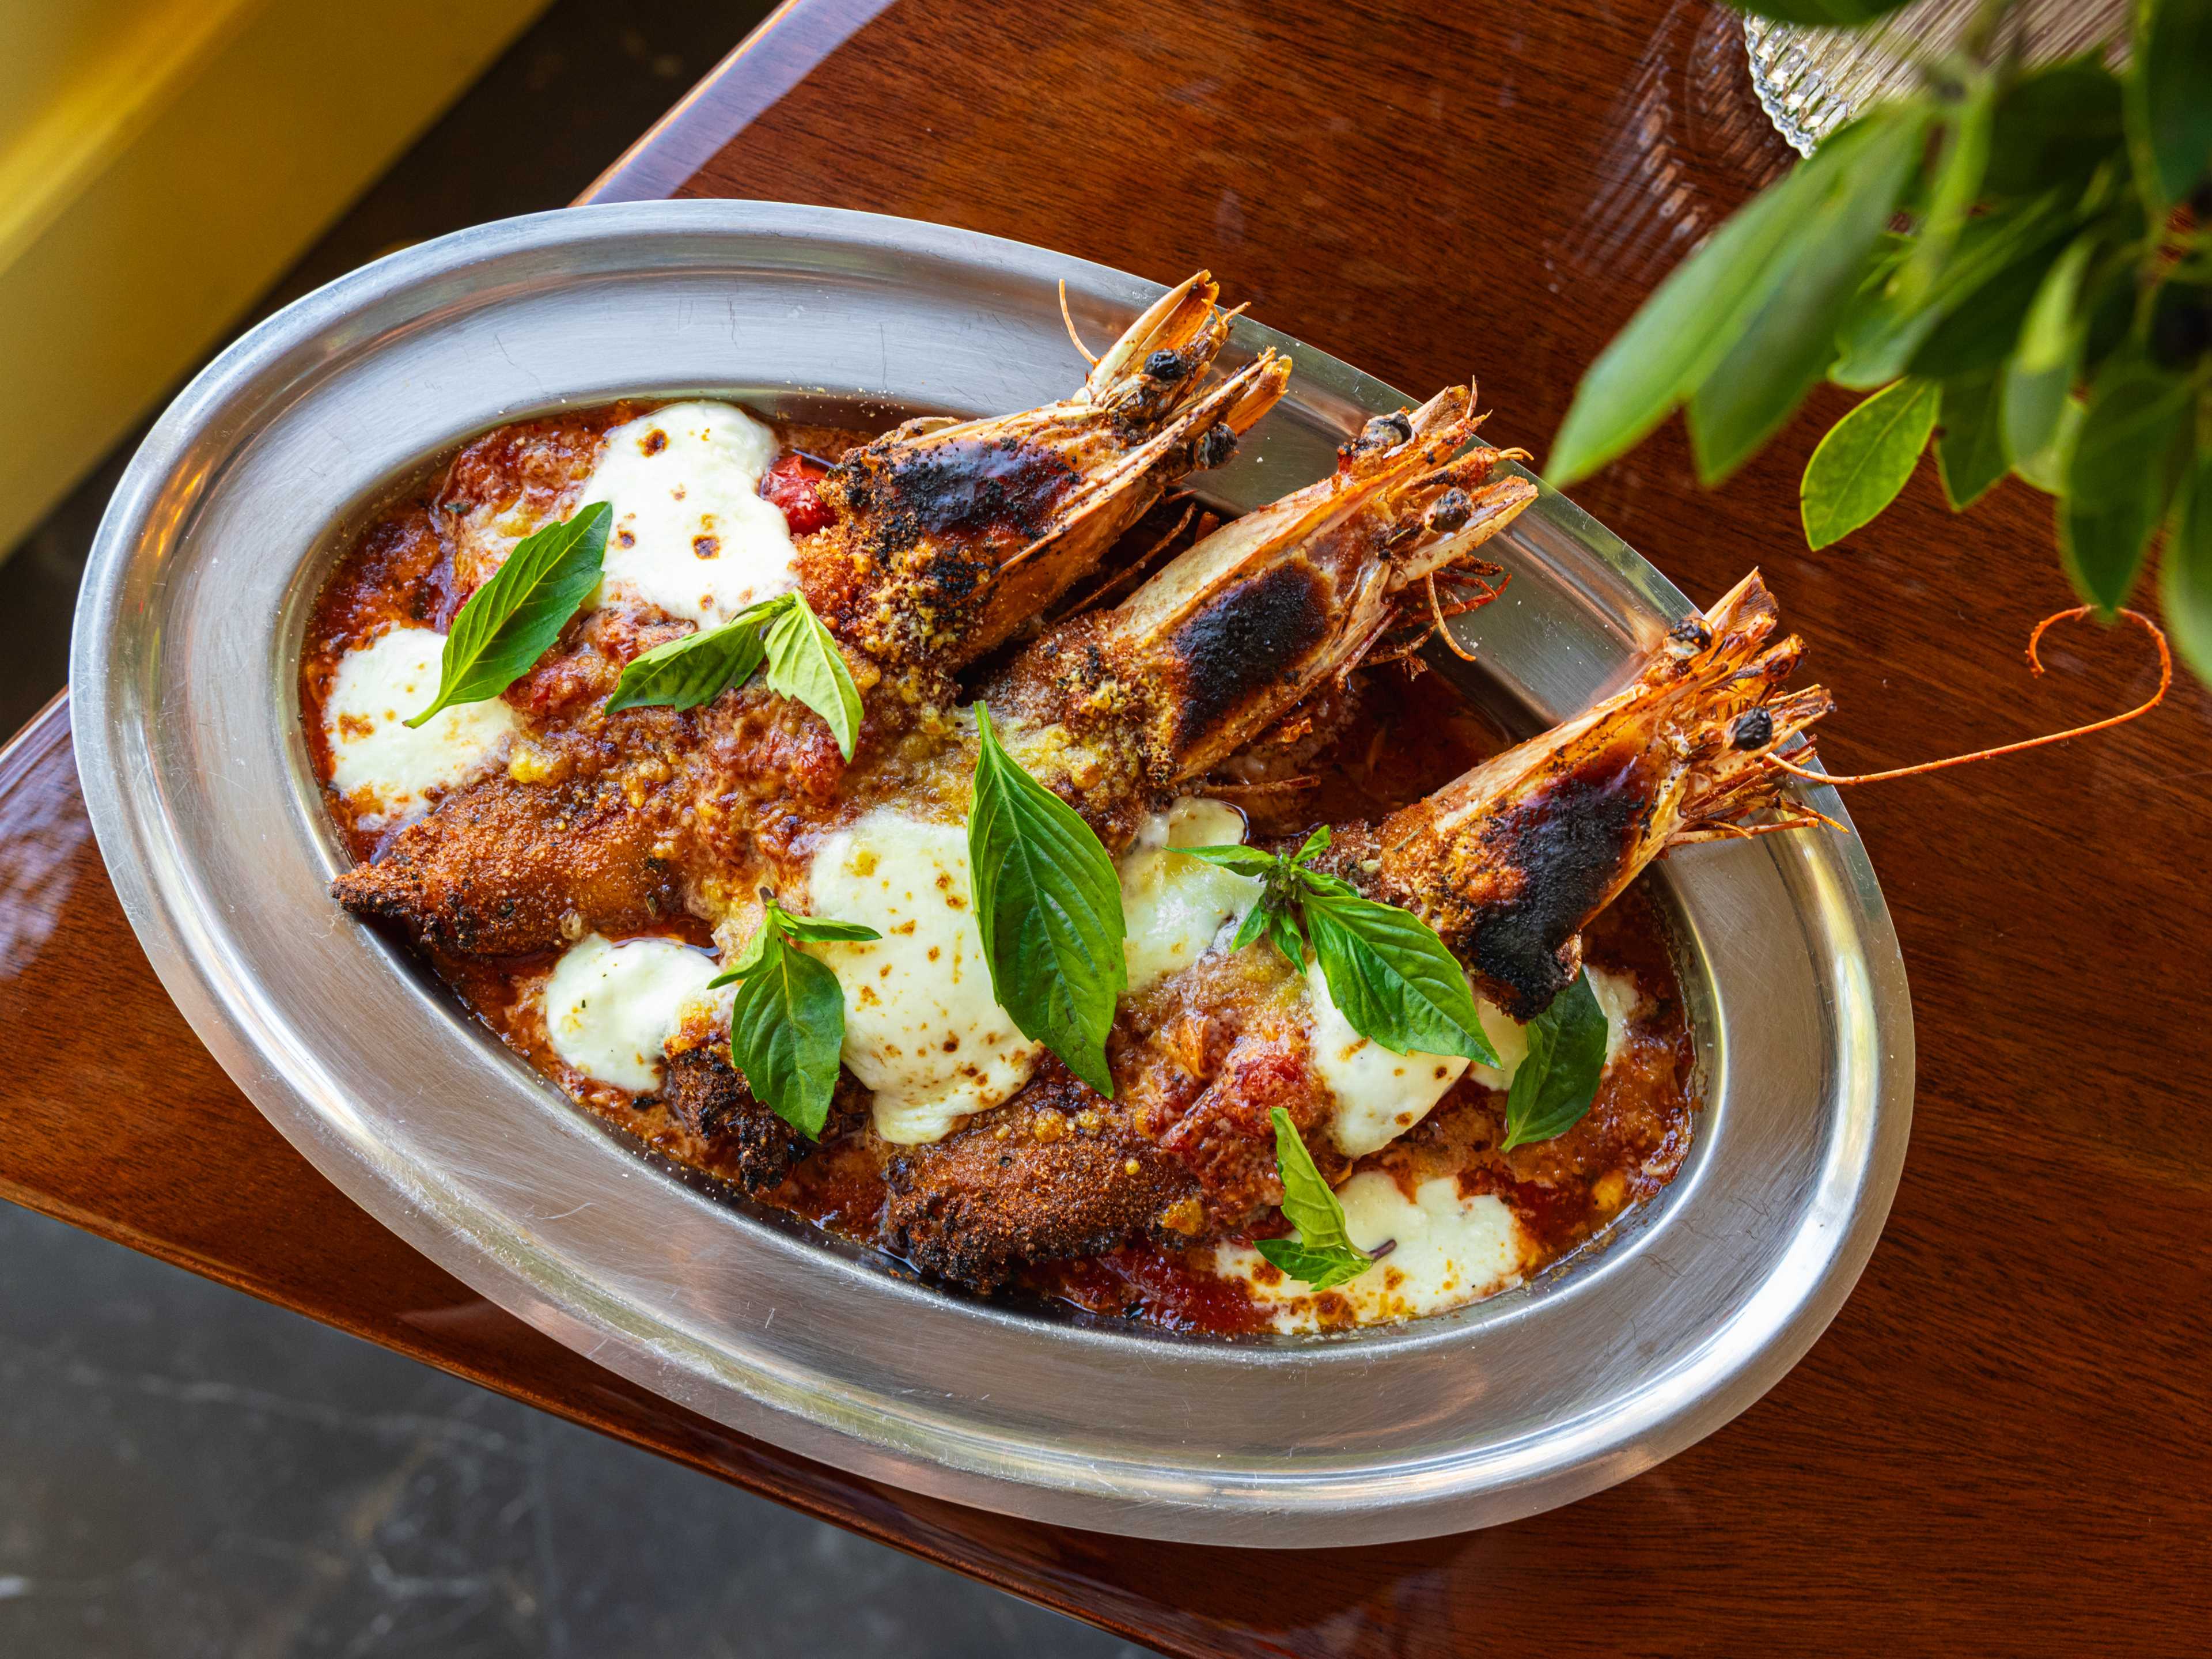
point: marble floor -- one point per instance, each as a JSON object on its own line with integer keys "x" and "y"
{"x": 186, "y": 1472}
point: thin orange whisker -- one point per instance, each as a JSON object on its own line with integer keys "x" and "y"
{"x": 2035, "y": 665}
{"x": 1089, "y": 355}
{"x": 1437, "y": 609}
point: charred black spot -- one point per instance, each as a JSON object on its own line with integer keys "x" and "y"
{"x": 1755, "y": 730}
{"x": 1245, "y": 641}
{"x": 1215, "y": 445}
{"x": 1569, "y": 844}
{"x": 966, "y": 488}
{"x": 1692, "y": 632}
{"x": 1165, "y": 366}
{"x": 706, "y": 1096}
{"x": 1450, "y": 511}
{"x": 1386, "y": 431}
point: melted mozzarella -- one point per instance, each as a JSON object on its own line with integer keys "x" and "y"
{"x": 1379, "y": 1094}
{"x": 1173, "y": 907}
{"x": 691, "y": 532}
{"x": 611, "y": 1008}
{"x": 379, "y": 762}
{"x": 1449, "y": 1250}
{"x": 1617, "y": 994}
{"x": 921, "y": 1027}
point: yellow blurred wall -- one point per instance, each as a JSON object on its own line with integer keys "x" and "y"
{"x": 161, "y": 162}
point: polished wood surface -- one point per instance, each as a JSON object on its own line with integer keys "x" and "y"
{"x": 2001, "y": 1443}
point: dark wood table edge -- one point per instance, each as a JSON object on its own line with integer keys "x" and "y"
{"x": 35, "y": 742}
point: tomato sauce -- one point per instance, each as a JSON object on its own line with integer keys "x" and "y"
{"x": 1351, "y": 753}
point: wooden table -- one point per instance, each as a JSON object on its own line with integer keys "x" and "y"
{"x": 2001, "y": 1442}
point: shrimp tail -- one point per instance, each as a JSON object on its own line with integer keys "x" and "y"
{"x": 1511, "y": 860}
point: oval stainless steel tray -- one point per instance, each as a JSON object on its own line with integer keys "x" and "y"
{"x": 183, "y": 670}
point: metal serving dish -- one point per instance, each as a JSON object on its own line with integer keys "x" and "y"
{"x": 184, "y": 665}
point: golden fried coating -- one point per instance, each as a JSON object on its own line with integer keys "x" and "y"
{"x": 507, "y": 869}
{"x": 1057, "y": 1172}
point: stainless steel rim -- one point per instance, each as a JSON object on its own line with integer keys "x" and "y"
{"x": 181, "y": 663}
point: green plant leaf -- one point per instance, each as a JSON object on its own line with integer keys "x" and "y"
{"x": 1391, "y": 977}
{"x": 1883, "y": 332}
{"x": 2109, "y": 314}
{"x": 1323, "y": 1256}
{"x": 1048, "y": 902}
{"x": 2120, "y": 476}
{"x": 2046, "y": 468}
{"x": 1677, "y": 337}
{"x": 2169, "y": 99}
{"x": 2055, "y": 124}
{"x": 1969, "y": 451}
{"x": 1821, "y": 13}
{"x": 1791, "y": 341}
{"x": 1957, "y": 188}
{"x": 510, "y": 621}
{"x": 2185, "y": 572}
{"x": 804, "y": 663}
{"x": 1981, "y": 331}
{"x": 1559, "y": 1079}
{"x": 1865, "y": 459}
{"x": 694, "y": 670}
{"x": 2035, "y": 382}
{"x": 787, "y": 1032}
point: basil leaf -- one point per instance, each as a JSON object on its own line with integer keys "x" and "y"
{"x": 1314, "y": 844}
{"x": 1391, "y": 978}
{"x": 804, "y": 663}
{"x": 820, "y": 930}
{"x": 510, "y": 621}
{"x": 2119, "y": 478}
{"x": 787, "y": 1031}
{"x": 1675, "y": 338}
{"x": 1283, "y": 931}
{"x": 1244, "y": 861}
{"x": 2185, "y": 572}
{"x": 2169, "y": 99}
{"x": 1319, "y": 1270}
{"x": 1260, "y": 919}
{"x": 1323, "y": 1254}
{"x": 1865, "y": 459}
{"x": 694, "y": 669}
{"x": 2054, "y": 126}
{"x": 1048, "y": 902}
{"x": 1558, "y": 1080}
{"x": 1789, "y": 343}
{"x": 1970, "y": 451}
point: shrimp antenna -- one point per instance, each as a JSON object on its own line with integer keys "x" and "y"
{"x": 1089, "y": 355}
{"x": 2035, "y": 666}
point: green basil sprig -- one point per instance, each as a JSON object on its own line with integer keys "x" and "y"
{"x": 1558, "y": 1080}
{"x": 1387, "y": 972}
{"x": 1323, "y": 1255}
{"x": 787, "y": 1022}
{"x": 508, "y": 623}
{"x": 2045, "y": 313}
{"x": 1049, "y": 904}
{"x": 803, "y": 664}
